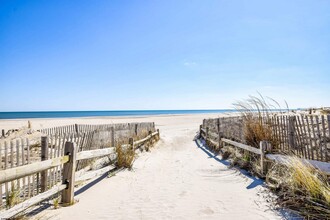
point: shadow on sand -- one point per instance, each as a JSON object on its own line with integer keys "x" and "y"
{"x": 256, "y": 181}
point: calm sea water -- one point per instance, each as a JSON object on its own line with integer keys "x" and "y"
{"x": 72, "y": 114}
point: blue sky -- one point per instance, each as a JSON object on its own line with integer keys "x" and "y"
{"x": 112, "y": 55}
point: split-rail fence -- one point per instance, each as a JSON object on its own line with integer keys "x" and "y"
{"x": 306, "y": 136}
{"x": 30, "y": 174}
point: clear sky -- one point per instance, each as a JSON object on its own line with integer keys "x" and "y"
{"x": 112, "y": 55}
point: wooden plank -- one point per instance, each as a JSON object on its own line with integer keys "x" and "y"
{"x": 31, "y": 202}
{"x": 113, "y": 144}
{"x": 28, "y": 162}
{"x": 207, "y": 133}
{"x": 6, "y": 167}
{"x": 12, "y": 162}
{"x": 291, "y": 133}
{"x": 242, "y": 146}
{"x": 69, "y": 173}
{"x": 282, "y": 133}
{"x": 44, "y": 156}
{"x": 50, "y": 156}
{"x": 320, "y": 151}
{"x": 22, "y": 171}
{"x": 306, "y": 138}
{"x": 276, "y": 119}
{"x": 95, "y": 153}
{"x": 310, "y": 139}
{"x": 300, "y": 137}
{"x": 145, "y": 139}
{"x": 314, "y": 139}
{"x": 262, "y": 146}
{"x": 18, "y": 182}
{"x": 286, "y": 132}
{"x": 23, "y": 163}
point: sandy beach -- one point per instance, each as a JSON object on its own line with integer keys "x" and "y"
{"x": 178, "y": 179}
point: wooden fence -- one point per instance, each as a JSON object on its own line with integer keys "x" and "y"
{"x": 307, "y": 136}
{"x": 263, "y": 152}
{"x": 133, "y": 128}
{"x": 27, "y": 182}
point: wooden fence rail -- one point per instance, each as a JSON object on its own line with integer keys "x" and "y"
{"x": 263, "y": 153}
{"x": 306, "y": 136}
{"x": 66, "y": 187}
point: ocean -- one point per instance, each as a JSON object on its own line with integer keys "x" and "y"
{"x": 75, "y": 114}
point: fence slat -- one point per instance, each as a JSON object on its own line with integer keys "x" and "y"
{"x": 319, "y": 146}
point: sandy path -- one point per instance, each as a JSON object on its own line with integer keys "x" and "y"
{"x": 176, "y": 180}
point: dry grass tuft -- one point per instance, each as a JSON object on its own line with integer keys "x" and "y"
{"x": 301, "y": 188}
{"x": 257, "y": 113}
{"x": 13, "y": 198}
{"x": 56, "y": 202}
{"x": 125, "y": 157}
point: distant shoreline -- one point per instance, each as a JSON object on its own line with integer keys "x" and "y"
{"x": 94, "y": 114}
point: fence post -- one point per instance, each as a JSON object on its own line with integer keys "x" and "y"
{"x": 158, "y": 134}
{"x": 136, "y": 129}
{"x": 207, "y": 134}
{"x": 221, "y": 143}
{"x": 113, "y": 136}
{"x": 76, "y": 128}
{"x": 44, "y": 156}
{"x": 291, "y": 138}
{"x": 69, "y": 169}
{"x": 131, "y": 142}
{"x": 262, "y": 157}
{"x": 219, "y": 134}
{"x": 3, "y": 132}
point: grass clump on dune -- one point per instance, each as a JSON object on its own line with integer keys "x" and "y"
{"x": 302, "y": 188}
{"x": 125, "y": 157}
{"x": 257, "y": 113}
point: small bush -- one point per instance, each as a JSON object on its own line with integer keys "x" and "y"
{"x": 125, "y": 157}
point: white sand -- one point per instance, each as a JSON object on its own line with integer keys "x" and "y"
{"x": 176, "y": 180}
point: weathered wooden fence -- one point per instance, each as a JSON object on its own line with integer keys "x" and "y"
{"x": 131, "y": 128}
{"x": 27, "y": 172}
{"x": 263, "y": 152}
{"x": 307, "y": 136}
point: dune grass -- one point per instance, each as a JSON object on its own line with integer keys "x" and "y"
{"x": 13, "y": 197}
{"x": 302, "y": 188}
{"x": 257, "y": 112}
{"x": 298, "y": 185}
{"x": 125, "y": 157}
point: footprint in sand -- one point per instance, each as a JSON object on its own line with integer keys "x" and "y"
{"x": 207, "y": 211}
